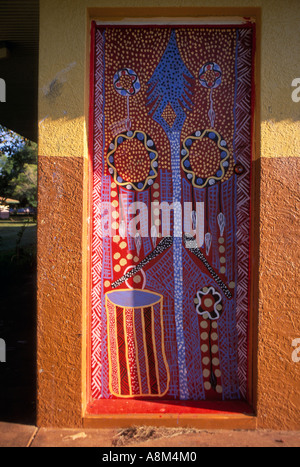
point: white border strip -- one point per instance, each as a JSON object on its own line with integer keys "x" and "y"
{"x": 205, "y": 21}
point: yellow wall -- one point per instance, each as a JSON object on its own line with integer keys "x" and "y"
{"x": 63, "y": 131}
{"x": 63, "y": 33}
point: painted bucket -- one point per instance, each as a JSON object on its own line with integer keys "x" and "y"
{"x": 136, "y": 350}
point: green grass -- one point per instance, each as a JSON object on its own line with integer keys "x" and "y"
{"x": 18, "y": 321}
{"x": 10, "y": 231}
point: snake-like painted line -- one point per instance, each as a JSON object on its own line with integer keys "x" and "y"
{"x": 191, "y": 245}
{"x": 165, "y": 243}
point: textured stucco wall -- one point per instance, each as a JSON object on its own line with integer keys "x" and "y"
{"x": 62, "y": 230}
{"x": 59, "y": 290}
{"x": 278, "y": 374}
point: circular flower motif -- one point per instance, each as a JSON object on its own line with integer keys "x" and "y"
{"x": 148, "y": 145}
{"x": 210, "y": 75}
{"x": 208, "y": 302}
{"x": 214, "y": 136}
{"x": 126, "y": 82}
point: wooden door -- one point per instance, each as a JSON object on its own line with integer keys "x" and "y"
{"x": 172, "y": 142}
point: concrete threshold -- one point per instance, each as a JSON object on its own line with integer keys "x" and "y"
{"x": 15, "y": 435}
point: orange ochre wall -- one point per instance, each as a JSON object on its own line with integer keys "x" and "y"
{"x": 63, "y": 217}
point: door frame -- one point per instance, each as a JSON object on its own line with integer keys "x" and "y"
{"x": 229, "y": 415}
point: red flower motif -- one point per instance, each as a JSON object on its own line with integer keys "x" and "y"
{"x": 210, "y": 75}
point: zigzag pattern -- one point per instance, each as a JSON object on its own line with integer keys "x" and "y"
{"x": 97, "y": 242}
{"x": 243, "y": 154}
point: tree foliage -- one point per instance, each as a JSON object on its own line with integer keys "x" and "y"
{"x": 11, "y": 142}
{"x": 24, "y": 185}
{"x": 18, "y": 168}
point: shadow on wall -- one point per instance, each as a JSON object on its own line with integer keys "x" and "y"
{"x": 59, "y": 98}
{"x": 18, "y": 331}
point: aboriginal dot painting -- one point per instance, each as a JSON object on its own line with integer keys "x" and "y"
{"x": 172, "y": 130}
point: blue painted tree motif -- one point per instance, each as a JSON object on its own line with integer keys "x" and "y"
{"x": 169, "y": 98}
{"x": 171, "y": 84}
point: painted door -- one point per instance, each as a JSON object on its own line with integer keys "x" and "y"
{"x": 172, "y": 119}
